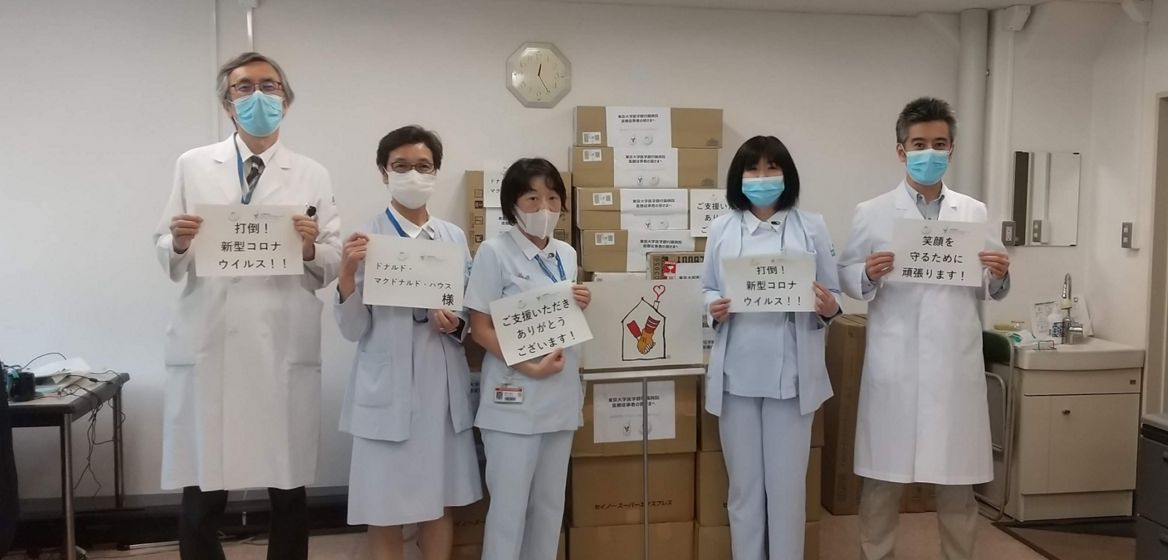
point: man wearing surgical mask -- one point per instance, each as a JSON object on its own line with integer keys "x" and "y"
{"x": 242, "y": 406}
{"x": 922, "y": 412}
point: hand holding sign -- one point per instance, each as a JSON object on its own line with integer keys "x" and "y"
{"x": 939, "y": 253}
{"x": 537, "y": 322}
{"x": 769, "y": 283}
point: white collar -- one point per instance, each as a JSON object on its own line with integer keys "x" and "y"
{"x": 529, "y": 249}
{"x": 752, "y": 223}
{"x": 245, "y": 152}
{"x": 412, "y": 230}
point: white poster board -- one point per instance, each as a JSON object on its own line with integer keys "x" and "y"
{"x": 404, "y": 272}
{"x": 247, "y": 240}
{"x": 769, "y": 283}
{"x": 617, "y": 411}
{"x": 936, "y": 252}
{"x": 643, "y": 323}
{"x": 536, "y": 322}
{"x": 704, "y": 206}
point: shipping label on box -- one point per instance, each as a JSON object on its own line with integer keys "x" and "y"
{"x": 640, "y": 323}
{"x": 617, "y": 415}
{"x": 638, "y": 127}
{"x": 641, "y": 243}
{"x": 645, "y": 168}
{"x": 704, "y": 206}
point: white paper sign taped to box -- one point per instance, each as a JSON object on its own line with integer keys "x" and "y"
{"x": 643, "y": 323}
{"x": 639, "y": 127}
{"x": 247, "y": 240}
{"x": 617, "y": 411}
{"x": 495, "y": 222}
{"x": 404, "y": 272}
{"x": 536, "y": 322}
{"x": 764, "y": 283}
{"x": 645, "y": 168}
{"x": 704, "y": 206}
{"x": 936, "y": 252}
{"x": 654, "y": 209}
{"x": 654, "y": 222}
{"x": 493, "y": 172}
{"x": 641, "y": 243}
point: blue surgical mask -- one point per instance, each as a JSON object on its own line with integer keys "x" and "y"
{"x": 259, "y": 114}
{"x": 927, "y": 166}
{"x": 763, "y": 191}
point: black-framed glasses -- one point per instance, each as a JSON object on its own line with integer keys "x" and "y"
{"x": 400, "y": 166}
{"x": 270, "y": 87}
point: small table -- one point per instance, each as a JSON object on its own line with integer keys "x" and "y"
{"x": 61, "y": 411}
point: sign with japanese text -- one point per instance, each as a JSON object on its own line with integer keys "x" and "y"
{"x": 642, "y": 168}
{"x": 769, "y": 283}
{"x": 639, "y": 127}
{"x": 935, "y": 252}
{"x": 251, "y": 240}
{"x": 654, "y": 209}
{"x": 403, "y": 272}
{"x": 643, "y": 242}
{"x": 536, "y": 322}
{"x": 704, "y": 206}
{"x": 617, "y": 411}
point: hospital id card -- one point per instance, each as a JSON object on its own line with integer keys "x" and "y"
{"x": 508, "y": 394}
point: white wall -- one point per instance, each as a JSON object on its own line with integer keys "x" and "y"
{"x": 127, "y": 86}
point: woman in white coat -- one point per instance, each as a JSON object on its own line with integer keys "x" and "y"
{"x": 527, "y": 442}
{"x": 922, "y": 412}
{"x": 242, "y": 403}
{"x": 767, "y": 375}
{"x": 407, "y": 404}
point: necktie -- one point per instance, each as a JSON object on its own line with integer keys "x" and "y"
{"x": 255, "y": 168}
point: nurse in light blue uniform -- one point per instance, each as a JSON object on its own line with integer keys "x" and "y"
{"x": 767, "y": 375}
{"x": 527, "y": 442}
{"x": 408, "y": 403}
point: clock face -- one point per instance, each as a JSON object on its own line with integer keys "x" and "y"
{"x": 539, "y": 75}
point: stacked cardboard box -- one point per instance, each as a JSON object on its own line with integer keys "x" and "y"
{"x": 846, "y": 340}
{"x": 632, "y": 171}
{"x": 606, "y": 493}
{"x": 485, "y": 216}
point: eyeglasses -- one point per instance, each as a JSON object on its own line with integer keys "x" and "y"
{"x": 269, "y": 87}
{"x": 423, "y": 167}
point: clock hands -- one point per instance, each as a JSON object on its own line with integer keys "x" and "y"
{"x": 538, "y": 74}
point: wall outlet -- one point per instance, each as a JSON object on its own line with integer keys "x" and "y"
{"x": 1036, "y": 232}
{"x": 1009, "y": 233}
{"x": 1127, "y": 235}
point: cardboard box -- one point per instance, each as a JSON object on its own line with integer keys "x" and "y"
{"x": 817, "y": 434}
{"x": 478, "y": 229}
{"x": 629, "y": 126}
{"x": 714, "y": 488}
{"x": 811, "y": 541}
{"x": 845, "y": 361}
{"x": 710, "y": 438}
{"x": 918, "y": 498}
{"x": 711, "y": 543}
{"x": 608, "y": 490}
{"x": 651, "y": 209}
{"x": 642, "y": 168}
{"x": 476, "y": 189}
{"x": 667, "y": 541}
{"x": 612, "y": 276}
{"x": 685, "y": 405}
{"x": 618, "y": 250}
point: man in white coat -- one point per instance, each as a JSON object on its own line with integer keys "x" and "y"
{"x": 242, "y": 403}
{"x": 922, "y": 414}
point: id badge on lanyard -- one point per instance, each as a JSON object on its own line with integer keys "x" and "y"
{"x": 508, "y": 394}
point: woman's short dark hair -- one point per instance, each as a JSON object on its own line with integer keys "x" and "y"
{"x": 758, "y": 148}
{"x": 517, "y": 182}
{"x": 406, "y": 136}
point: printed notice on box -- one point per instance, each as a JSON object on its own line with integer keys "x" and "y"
{"x": 536, "y": 322}
{"x": 654, "y": 209}
{"x": 639, "y": 127}
{"x": 493, "y": 183}
{"x": 704, "y": 206}
{"x": 404, "y": 272}
{"x": 617, "y": 411}
{"x": 253, "y": 240}
{"x": 769, "y": 283}
{"x": 641, "y": 243}
{"x": 935, "y": 252}
{"x": 495, "y": 222}
{"x": 642, "y": 168}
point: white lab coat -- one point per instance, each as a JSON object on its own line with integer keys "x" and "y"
{"x": 922, "y": 413}
{"x": 725, "y": 241}
{"x": 242, "y": 406}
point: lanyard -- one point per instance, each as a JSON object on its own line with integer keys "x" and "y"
{"x": 396, "y": 225}
{"x": 547, "y": 271}
{"x": 245, "y": 198}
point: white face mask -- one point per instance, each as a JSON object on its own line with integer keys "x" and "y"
{"x": 411, "y": 189}
{"x": 539, "y": 224}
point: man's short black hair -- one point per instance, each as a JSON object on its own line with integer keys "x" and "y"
{"x": 406, "y": 136}
{"x": 772, "y": 150}
{"x": 517, "y": 182}
{"x": 925, "y": 109}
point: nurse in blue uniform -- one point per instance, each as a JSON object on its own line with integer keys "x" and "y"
{"x": 527, "y": 434}
{"x": 767, "y": 374}
{"x": 408, "y": 403}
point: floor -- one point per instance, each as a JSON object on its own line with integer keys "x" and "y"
{"x": 918, "y": 540}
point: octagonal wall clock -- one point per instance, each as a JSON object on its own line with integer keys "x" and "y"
{"x": 539, "y": 75}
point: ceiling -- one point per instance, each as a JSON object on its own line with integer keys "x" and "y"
{"x": 867, "y": 7}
